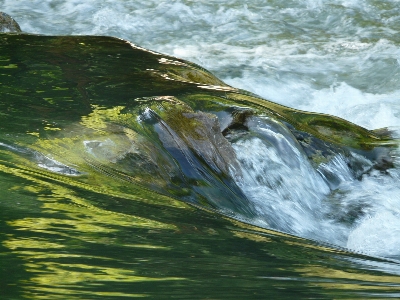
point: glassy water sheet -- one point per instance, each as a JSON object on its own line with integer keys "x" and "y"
{"x": 60, "y": 240}
{"x": 110, "y": 190}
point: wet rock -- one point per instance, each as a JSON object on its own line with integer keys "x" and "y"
{"x": 197, "y": 133}
{"x": 383, "y": 159}
{"x": 317, "y": 150}
{"x": 221, "y": 157}
{"x": 8, "y": 24}
{"x": 325, "y": 157}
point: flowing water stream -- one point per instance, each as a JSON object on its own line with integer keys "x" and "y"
{"x": 275, "y": 225}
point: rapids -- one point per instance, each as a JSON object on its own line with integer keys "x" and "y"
{"x": 336, "y": 57}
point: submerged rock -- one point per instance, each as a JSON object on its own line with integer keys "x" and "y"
{"x": 8, "y": 24}
{"x": 161, "y": 124}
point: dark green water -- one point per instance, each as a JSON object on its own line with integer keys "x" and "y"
{"x": 60, "y": 242}
{"x": 110, "y": 230}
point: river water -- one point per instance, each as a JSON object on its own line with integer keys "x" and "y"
{"x": 336, "y": 57}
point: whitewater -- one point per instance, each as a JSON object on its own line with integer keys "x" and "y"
{"x": 336, "y": 57}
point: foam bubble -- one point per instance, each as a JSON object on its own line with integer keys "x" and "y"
{"x": 365, "y": 109}
{"x": 377, "y": 235}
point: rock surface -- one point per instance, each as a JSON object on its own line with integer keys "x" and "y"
{"x": 8, "y": 24}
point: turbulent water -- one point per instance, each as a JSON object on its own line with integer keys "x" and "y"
{"x": 336, "y": 57}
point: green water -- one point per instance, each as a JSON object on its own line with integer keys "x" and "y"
{"x": 63, "y": 242}
{"x": 110, "y": 232}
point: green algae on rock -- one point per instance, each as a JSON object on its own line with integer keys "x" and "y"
{"x": 159, "y": 122}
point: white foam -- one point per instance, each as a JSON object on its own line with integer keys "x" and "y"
{"x": 365, "y": 109}
{"x": 377, "y": 235}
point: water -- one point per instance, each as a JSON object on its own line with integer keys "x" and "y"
{"x": 335, "y": 57}
{"x": 299, "y": 54}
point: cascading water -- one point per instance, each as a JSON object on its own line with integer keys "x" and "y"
{"x": 337, "y": 57}
{"x": 140, "y": 175}
{"x": 332, "y": 203}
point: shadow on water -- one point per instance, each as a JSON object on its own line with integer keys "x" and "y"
{"x": 12, "y": 265}
{"x": 108, "y": 190}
